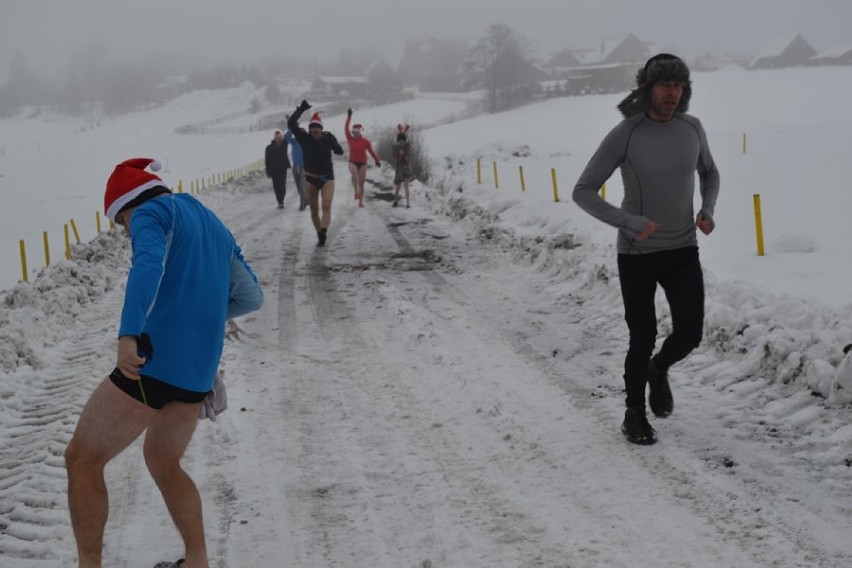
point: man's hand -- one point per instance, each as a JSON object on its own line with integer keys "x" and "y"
{"x": 649, "y": 229}
{"x": 129, "y": 362}
{"x": 704, "y": 225}
{"x": 349, "y": 112}
{"x": 378, "y": 164}
{"x": 303, "y": 106}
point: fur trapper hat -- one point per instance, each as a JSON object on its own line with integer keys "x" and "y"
{"x": 659, "y": 69}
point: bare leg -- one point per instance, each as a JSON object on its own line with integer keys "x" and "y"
{"x": 407, "y": 200}
{"x": 110, "y": 421}
{"x": 166, "y": 440}
{"x": 353, "y": 172}
{"x": 396, "y": 194}
{"x": 362, "y": 178}
{"x": 313, "y": 201}
{"x": 327, "y": 192}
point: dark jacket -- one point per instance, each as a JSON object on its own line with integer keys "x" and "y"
{"x": 317, "y": 153}
{"x": 277, "y": 162}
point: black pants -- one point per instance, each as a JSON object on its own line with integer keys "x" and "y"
{"x": 679, "y": 273}
{"x": 279, "y": 184}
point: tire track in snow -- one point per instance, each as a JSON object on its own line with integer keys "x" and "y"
{"x": 38, "y": 421}
{"x": 746, "y": 512}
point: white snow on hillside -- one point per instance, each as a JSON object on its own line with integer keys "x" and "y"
{"x": 441, "y": 385}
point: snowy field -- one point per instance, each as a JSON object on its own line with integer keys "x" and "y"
{"x": 441, "y": 385}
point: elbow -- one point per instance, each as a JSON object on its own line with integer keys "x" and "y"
{"x": 246, "y": 304}
{"x": 253, "y": 301}
{"x": 257, "y": 301}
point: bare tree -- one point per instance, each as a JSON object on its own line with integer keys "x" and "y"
{"x": 85, "y": 77}
{"x": 22, "y": 88}
{"x": 499, "y": 59}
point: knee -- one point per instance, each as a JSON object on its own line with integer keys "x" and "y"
{"x": 643, "y": 338}
{"x": 77, "y": 457}
{"x": 72, "y": 455}
{"x": 326, "y": 206}
{"x": 161, "y": 468}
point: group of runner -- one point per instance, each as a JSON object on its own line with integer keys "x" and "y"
{"x": 188, "y": 277}
{"x": 315, "y": 178}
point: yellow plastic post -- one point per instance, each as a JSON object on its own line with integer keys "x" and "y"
{"x": 744, "y": 142}
{"x": 496, "y": 181}
{"x": 23, "y": 259}
{"x": 479, "y": 170}
{"x": 98, "y": 221}
{"x": 603, "y": 191}
{"x": 523, "y": 184}
{"x": 111, "y": 225}
{"x": 758, "y": 223}
{"x": 46, "y": 249}
{"x": 180, "y": 186}
{"x": 67, "y": 243}
{"x": 76, "y": 233}
{"x": 555, "y": 188}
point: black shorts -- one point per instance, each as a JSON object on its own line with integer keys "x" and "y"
{"x": 358, "y": 165}
{"x": 152, "y": 392}
{"x": 318, "y": 181}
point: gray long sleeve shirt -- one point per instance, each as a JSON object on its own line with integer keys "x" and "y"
{"x": 658, "y": 161}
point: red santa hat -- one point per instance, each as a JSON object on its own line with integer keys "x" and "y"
{"x": 127, "y": 182}
{"x": 357, "y": 127}
{"x": 315, "y": 119}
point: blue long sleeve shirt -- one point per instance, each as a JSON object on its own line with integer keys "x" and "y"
{"x": 295, "y": 149}
{"x": 187, "y": 277}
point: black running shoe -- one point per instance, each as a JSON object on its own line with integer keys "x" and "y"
{"x": 321, "y": 235}
{"x": 636, "y": 428}
{"x": 659, "y": 393}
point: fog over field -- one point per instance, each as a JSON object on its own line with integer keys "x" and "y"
{"x": 49, "y": 32}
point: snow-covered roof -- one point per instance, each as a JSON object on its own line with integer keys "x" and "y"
{"x": 599, "y": 55}
{"x": 834, "y": 52}
{"x": 342, "y": 80}
{"x": 774, "y": 47}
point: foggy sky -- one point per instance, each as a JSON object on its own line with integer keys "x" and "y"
{"x": 239, "y": 31}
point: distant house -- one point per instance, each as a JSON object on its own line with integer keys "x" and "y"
{"x": 712, "y": 62}
{"x": 784, "y": 51}
{"x": 838, "y": 55}
{"x": 609, "y": 68}
{"x": 624, "y": 49}
{"x": 565, "y": 59}
{"x": 522, "y": 72}
{"x": 330, "y": 87}
{"x": 383, "y": 78}
{"x": 380, "y": 81}
{"x": 433, "y": 64}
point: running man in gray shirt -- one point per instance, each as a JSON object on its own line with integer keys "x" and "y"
{"x": 658, "y": 149}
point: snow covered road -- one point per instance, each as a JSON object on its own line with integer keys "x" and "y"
{"x": 419, "y": 393}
